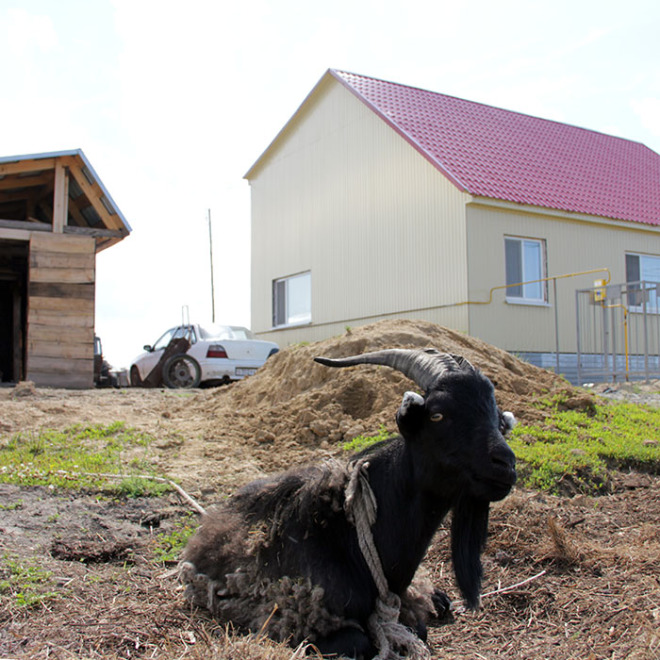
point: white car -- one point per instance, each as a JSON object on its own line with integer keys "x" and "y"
{"x": 217, "y": 354}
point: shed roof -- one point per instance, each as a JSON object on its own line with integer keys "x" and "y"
{"x": 505, "y": 155}
{"x": 26, "y": 196}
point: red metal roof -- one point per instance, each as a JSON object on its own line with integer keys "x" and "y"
{"x": 506, "y": 155}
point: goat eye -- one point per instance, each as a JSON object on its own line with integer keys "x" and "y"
{"x": 436, "y": 417}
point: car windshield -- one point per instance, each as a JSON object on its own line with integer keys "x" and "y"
{"x": 186, "y": 331}
{"x": 225, "y": 332}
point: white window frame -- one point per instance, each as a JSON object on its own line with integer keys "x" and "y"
{"x": 527, "y": 284}
{"x": 653, "y": 303}
{"x": 287, "y": 312}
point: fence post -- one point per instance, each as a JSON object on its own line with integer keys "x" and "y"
{"x": 554, "y": 285}
{"x": 579, "y": 340}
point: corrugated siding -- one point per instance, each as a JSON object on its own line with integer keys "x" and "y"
{"x": 61, "y": 310}
{"x": 572, "y": 245}
{"x": 380, "y": 229}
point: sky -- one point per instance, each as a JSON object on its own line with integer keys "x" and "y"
{"x": 172, "y": 103}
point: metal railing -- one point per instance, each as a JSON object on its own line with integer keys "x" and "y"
{"x": 618, "y": 331}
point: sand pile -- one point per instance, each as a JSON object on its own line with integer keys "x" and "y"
{"x": 291, "y": 412}
{"x": 294, "y": 403}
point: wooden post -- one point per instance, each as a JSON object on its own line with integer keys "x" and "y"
{"x": 17, "y": 338}
{"x": 60, "y": 198}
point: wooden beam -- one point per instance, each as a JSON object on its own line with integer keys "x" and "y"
{"x": 17, "y": 337}
{"x": 67, "y": 260}
{"x": 66, "y": 351}
{"x": 45, "y": 242}
{"x": 96, "y": 233}
{"x": 22, "y": 224}
{"x": 60, "y": 198}
{"x": 93, "y": 194}
{"x": 15, "y": 234}
{"x": 47, "y": 335}
{"x": 62, "y": 290}
{"x": 62, "y": 305}
{"x": 71, "y": 275}
{"x": 76, "y": 215}
{"x": 56, "y": 319}
{"x": 65, "y": 380}
{"x": 16, "y": 183}
{"x": 19, "y": 166}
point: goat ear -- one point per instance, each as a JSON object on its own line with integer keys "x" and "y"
{"x": 469, "y": 529}
{"x": 411, "y": 405}
{"x": 507, "y": 422}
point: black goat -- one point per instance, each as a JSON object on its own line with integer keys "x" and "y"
{"x": 285, "y": 555}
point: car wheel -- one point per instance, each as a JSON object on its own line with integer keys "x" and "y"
{"x": 181, "y": 371}
{"x": 136, "y": 381}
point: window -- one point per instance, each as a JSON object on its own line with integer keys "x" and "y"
{"x": 175, "y": 333}
{"x": 292, "y": 300}
{"x": 643, "y": 268}
{"x": 525, "y": 265}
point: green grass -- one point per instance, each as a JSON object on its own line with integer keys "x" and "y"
{"x": 169, "y": 545}
{"x": 24, "y": 583}
{"x": 70, "y": 459}
{"x": 575, "y": 450}
{"x": 360, "y": 442}
{"x": 579, "y": 449}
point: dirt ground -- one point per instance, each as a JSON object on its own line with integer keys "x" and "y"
{"x": 572, "y": 577}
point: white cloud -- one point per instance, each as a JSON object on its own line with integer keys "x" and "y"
{"x": 23, "y": 32}
{"x": 172, "y": 102}
{"x": 648, "y": 111}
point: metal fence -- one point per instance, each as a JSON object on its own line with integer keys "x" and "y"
{"x": 618, "y": 332}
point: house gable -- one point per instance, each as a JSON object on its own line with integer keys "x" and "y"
{"x": 339, "y": 194}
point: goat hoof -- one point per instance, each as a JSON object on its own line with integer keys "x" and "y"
{"x": 421, "y": 631}
{"x": 348, "y": 642}
{"x": 442, "y": 604}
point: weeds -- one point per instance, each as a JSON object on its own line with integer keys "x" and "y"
{"x": 75, "y": 457}
{"x": 577, "y": 450}
{"x": 360, "y": 442}
{"x": 23, "y": 583}
{"x": 169, "y": 545}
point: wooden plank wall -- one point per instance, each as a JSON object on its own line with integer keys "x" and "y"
{"x": 61, "y": 293}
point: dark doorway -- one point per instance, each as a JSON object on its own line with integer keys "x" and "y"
{"x": 13, "y": 309}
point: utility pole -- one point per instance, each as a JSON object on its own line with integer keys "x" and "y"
{"x": 211, "y": 256}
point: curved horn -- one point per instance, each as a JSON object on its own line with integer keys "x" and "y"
{"x": 423, "y": 366}
{"x": 463, "y": 363}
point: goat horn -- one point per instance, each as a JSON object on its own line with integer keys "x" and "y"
{"x": 424, "y": 367}
{"x": 463, "y": 363}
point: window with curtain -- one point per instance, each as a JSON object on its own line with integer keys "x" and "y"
{"x": 525, "y": 265}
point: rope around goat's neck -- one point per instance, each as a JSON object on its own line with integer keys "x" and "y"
{"x": 361, "y": 510}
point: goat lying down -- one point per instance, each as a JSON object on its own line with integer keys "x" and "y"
{"x": 293, "y": 556}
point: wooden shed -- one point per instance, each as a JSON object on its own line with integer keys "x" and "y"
{"x": 55, "y": 215}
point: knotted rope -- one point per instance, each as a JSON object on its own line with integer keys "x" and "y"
{"x": 390, "y": 636}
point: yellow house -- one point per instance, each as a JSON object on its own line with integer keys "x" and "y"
{"x": 377, "y": 200}
{"x": 55, "y": 215}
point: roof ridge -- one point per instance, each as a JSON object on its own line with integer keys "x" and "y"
{"x": 484, "y": 105}
{"x": 516, "y": 157}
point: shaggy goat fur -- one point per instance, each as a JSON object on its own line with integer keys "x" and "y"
{"x": 232, "y": 568}
{"x": 330, "y": 553}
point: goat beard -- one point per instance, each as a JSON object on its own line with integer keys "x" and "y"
{"x": 469, "y": 529}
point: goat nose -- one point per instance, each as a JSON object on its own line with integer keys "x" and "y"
{"x": 504, "y": 459}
